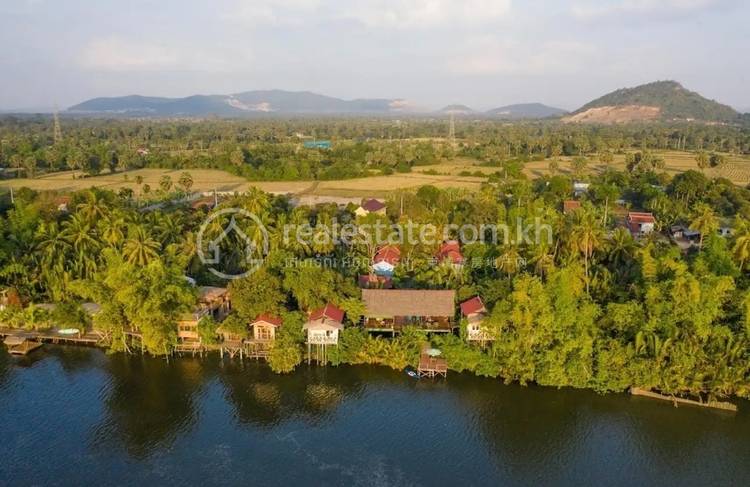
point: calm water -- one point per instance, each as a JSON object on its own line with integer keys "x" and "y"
{"x": 77, "y": 417}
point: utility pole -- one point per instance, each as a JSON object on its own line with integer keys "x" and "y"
{"x": 56, "y": 130}
{"x": 452, "y": 130}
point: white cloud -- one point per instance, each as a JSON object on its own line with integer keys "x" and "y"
{"x": 272, "y": 12}
{"x": 389, "y": 14}
{"x": 489, "y": 56}
{"x": 116, "y": 54}
{"x": 594, "y": 10}
{"x": 425, "y": 13}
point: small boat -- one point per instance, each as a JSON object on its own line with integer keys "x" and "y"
{"x": 69, "y": 331}
{"x": 412, "y": 373}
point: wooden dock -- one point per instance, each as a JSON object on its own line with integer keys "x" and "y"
{"x": 726, "y": 406}
{"x": 50, "y": 336}
{"x": 432, "y": 366}
{"x": 20, "y": 345}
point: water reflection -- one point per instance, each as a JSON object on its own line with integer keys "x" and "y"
{"x": 138, "y": 419}
{"x": 263, "y": 398}
{"x": 149, "y": 401}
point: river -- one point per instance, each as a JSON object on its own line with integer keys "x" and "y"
{"x": 77, "y": 416}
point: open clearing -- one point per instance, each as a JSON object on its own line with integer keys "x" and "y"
{"x": 214, "y": 179}
{"x": 737, "y": 168}
{"x": 444, "y": 175}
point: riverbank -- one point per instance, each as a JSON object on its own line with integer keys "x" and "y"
{"x": 359, "y": 348}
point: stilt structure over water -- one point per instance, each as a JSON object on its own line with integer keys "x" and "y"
{"x": 20, "y": 345}
{"x": 322, "y": 330}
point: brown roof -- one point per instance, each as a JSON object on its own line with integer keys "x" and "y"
{"x": 570, "y": 205}
{"x": 640, "y": 217}
{"x": 409, "y": 302}
{"x": 208, "y": 294}
{"x": 206, "y": 201}
{"x": 471, "y": 306}
{"x": 264, "y": 318}
{"x": 373, "y": 205}
{"x": 375, "y": 281}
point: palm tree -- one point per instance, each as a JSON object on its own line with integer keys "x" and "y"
{"x": 585, "y": 238}
{"x": 94, "y": 207}
{"x": 620, "y": 247}
{"x": 81, "y": 235}
{"x": 140, "y": 249}
{"x": 111, "y": 229}
{"x": 741, "y": 247}
{"x": 704, "y": 220}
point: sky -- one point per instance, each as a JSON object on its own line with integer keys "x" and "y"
{"x": 482, "y": 53}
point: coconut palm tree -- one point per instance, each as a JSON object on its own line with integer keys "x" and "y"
{"x": 140, "y": 249}
{"x": 94, "y": 207}
{"x": 741, "y": 247}
{"x": 704, "y": 220}
{"x": 81, "y": 235}
{"x": 586, "y": 237}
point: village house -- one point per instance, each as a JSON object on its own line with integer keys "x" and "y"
{"x": 62, "y": 203}
{"x": 385, "y": 261}
{"x": 580, "y": 188}
{"x": 263, "y": 329}
{"x": 450, "y": 251}
{"x": 640, "y": 223}
{"x": 323, "y": 325}
{"x": 204, "y": 202}
{"x": 213, "y": 302}
{"x": 370, "y": 206}
{"x": 569, "y": 206}
{"x": 390, "y": 310}
{"x": 474, "y": 312}
{"x": 372, "y": 281}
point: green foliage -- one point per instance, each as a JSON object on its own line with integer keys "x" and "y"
{"x": 286, "y": 352}
{"x": 233, "y": 324}
{"x": 208, "y": 330}
{"x": 256, "y": 294}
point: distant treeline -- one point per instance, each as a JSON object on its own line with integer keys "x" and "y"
{"x": 273, "y": 149}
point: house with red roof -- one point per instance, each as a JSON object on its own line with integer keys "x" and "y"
{"x": 640, "y": 223}
{"x": 474, "y": 312}
{"x": 569, "y": 206}
{"x": 370, "y": 206}
{"x": 386, "y": 259}
{"x": 323, "y": 325}
{"x": 451, "y": 251}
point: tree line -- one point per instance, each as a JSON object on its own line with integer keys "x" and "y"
{"x": 592, "y": 307}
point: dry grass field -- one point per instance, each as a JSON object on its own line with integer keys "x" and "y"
{"x": 736, "y": 170}
{"x": 448, "y": 174}
{"x": 212, "y": 179}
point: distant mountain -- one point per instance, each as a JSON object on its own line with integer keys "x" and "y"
{"x": 661, "y": 100}
{"x": 457, "y": 110}
{"x": 237, "y": 105}
{"x": 525, "y": 110}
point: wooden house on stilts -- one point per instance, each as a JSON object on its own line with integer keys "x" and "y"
{"x": 322, "y": 329}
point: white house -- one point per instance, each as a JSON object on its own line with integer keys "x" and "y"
{"x": 323, "y": 325}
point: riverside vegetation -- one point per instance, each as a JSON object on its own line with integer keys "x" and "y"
{"x": 593, "y": 308}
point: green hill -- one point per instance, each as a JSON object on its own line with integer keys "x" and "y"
{"x": 672, "y": 99}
